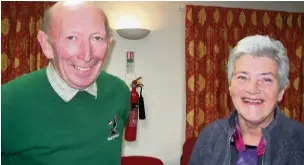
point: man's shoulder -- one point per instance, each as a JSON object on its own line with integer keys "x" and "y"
{"x": 24, "y": 81}
{"x": 22, "y": 88}
{"x": 111, "y": 81}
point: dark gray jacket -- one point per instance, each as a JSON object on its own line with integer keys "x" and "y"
{"x": 285, "y": 142}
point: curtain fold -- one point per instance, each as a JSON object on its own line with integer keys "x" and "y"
{"x": 20, "y": 50}
{"x": 211, "y": 32}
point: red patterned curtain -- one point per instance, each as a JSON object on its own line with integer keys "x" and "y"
{"x": 211, "y": 32}
{"x": 20, "y": 50}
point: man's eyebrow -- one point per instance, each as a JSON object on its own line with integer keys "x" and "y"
{"x": 99, "y": 33}
{"x": 75, "y": 32}
{"x": 95, "y": 33}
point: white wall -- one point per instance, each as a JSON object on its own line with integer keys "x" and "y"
{"x": 160, "y": 61}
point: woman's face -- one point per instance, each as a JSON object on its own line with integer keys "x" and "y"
{"x": 254, "y": 88}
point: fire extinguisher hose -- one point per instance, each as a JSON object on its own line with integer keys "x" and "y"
{"x": 142, "y": 113}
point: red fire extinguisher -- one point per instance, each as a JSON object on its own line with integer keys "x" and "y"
{"x": 131, "y": 128}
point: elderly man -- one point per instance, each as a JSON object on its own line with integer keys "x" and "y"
{"x": 71, "y": 112}
{"x": 256, "y": 133}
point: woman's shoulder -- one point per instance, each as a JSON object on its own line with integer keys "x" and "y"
{"x": 215, "y": 130}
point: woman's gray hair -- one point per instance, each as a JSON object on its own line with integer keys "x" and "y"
{"x": 261, "y": 46}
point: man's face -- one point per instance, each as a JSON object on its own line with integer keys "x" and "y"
{"x": 254, "y": 87}
{"x": 79, "y": 42}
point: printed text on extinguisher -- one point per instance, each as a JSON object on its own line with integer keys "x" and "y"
{"x": 133, "y": 116}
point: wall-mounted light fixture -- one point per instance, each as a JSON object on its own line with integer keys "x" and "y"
{"x": 130, "y": 27}
{"x": 133, "y": 33}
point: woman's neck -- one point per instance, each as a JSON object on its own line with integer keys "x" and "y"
{"x": 252, "y": 132}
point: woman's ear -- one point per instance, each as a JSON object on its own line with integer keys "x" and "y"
{"x": 281, "y": 93}
{"x": 229, "y": 89}
{"x": 45, "y": 45}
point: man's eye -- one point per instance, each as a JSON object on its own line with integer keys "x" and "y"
{"x": 71, "y": 37}
{"x": 98, "y": 38}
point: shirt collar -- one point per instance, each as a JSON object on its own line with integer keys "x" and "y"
{"x": 62, "y": 89}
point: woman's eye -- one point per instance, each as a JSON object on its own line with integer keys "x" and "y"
{"x": 242, "y": 77}
{"x": 267, "y": 80}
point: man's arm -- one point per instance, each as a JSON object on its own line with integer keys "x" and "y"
{"x": 127, "y": 105}
{"x": 4, "y": 128}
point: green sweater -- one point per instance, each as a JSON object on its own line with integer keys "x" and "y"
{"x": 39, "y": 128}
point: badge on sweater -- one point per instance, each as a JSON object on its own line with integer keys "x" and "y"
{"x": 113, "y": 128}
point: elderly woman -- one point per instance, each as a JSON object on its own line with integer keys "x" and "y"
{"x": 256, "y": 133}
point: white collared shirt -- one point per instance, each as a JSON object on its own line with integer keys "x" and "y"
{"x": 62, "y": 89}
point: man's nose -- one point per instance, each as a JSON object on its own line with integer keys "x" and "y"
{"x": 86, "y": 54}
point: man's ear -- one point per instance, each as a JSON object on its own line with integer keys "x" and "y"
{"x": 109, "y": 39}
{"x": 45, "y": 45}
{"x": 281, "y": 93}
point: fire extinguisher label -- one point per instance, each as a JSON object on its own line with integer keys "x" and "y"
{"x": 130, "y": 62}
{"x": 130, "y": 74}
{"x": 133, "y": 117}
